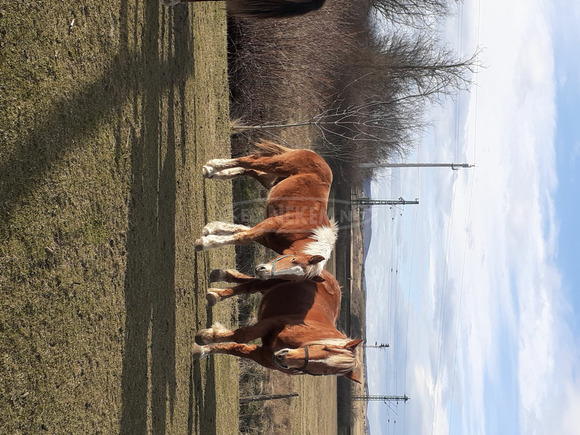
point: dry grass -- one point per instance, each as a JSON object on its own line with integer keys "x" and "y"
{"x": 313, "y": 411}
{"x": 106, "y": 120}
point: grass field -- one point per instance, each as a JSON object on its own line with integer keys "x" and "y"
{"x": 108, "y": 111}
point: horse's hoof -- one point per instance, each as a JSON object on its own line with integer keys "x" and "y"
{"x": 212, "y": 298}
{"x": 199, "y": 245}
{"x": 204, "y": 336}
{"x": 208, "y": 171}
{"x": 198, "y": 352}
{"x": 216, "y": 275}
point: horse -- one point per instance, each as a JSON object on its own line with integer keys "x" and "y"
{"x": 296, "y": 224}
{"x": 296, "y": 323}
{"x": 264, "y": 8}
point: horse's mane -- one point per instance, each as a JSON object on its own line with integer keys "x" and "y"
{"x": 331, "y": 341}
{"x": 323, "y": 244}
{"x": 268, "y": 148}
{"x": 345, "y": 361}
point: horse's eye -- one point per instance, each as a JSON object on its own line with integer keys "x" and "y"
{"x": 294, "y": 260}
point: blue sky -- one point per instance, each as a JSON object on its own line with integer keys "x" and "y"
{"x": 567, "y": 159}
{"x": 475, "y": 288}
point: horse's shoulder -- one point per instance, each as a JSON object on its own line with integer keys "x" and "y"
{"x": 330, "y": 284}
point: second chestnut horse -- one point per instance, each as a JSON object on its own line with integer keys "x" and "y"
{"x": 296, "y": 324}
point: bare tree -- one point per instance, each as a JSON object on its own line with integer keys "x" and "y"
{"x": 360, "y": 95}
{"x": 413, "y": 13}
{"x": 385, "y": 90}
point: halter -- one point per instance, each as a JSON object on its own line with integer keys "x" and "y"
{"x": 304, "y": 366}
{"x": 274, "y": 264}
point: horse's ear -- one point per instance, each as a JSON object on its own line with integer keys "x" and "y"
{"x": 350, "y": 375}
{"x": 351, "y": 345}
{"x": 318, "y": 279}
{"x": 315, "y": 259}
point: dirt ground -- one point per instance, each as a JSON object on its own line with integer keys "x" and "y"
{"x": 108, "y": 110}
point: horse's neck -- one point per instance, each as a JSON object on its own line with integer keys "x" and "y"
{"x": 308, "y": 331}
{"x": 326, "y": 301}
{"x": 299, "y": 246}
{"x": 328, "y": 296}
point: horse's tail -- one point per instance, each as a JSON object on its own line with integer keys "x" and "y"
{"x": 272, "y": 8}
{"x": 267, "y": 148}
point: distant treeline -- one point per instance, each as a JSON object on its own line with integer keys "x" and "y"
{"x": 351, "y": 80}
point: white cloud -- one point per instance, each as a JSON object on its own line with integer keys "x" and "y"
{"x": 479, "y": 281}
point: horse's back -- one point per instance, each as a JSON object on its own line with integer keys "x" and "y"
{"x": 311, "y": 162}
{"x": 301, "y": 196}
{"x": 306, "y": 185}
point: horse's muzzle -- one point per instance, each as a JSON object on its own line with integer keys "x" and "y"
{"x": 280, "y": 359}
{"x": 262, "y": 271}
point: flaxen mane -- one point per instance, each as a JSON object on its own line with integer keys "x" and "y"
{"x": 323, "y": 244}
{"x": 345, "y": 361}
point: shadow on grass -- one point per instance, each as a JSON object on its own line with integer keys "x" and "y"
{"x": 149, "y": 287}
{"x": 148, "y": 382}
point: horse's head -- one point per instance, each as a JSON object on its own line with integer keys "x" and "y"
{"x": 327, "y": 357}
{"x": 298, "y": 267}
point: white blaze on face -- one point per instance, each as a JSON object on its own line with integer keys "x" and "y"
{"x": 264, "y": 271}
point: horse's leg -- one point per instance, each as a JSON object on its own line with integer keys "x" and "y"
{"x": 229, "y": 275}
{"x": 241, "y": 238}
{"x": 214, "y": 166}
{"x": 266, "y": 180}
{"x": 253, "y": 285}
{"x": 250, "y": 351}
{"x": 220, "y": 334}
{"x": 222, "y": 174}
{"x": 223, "y": 229}
{"x": 278, "y": 165}
{"x": 286, "y": 164}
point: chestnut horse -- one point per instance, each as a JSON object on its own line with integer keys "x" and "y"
{"x": 296, "y": 323}
{"x": 296, "y": 224}
{"x": 264, "y": 8}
